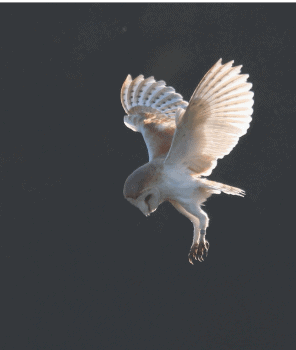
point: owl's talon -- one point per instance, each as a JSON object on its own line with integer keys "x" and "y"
{"x": 190, "y": 259}
{"x": 207, "y": 246}
{"x": 198, "y": 250}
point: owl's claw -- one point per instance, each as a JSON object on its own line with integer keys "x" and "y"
{"x": 197, "y": 250}
{"x": 207, "y": 246}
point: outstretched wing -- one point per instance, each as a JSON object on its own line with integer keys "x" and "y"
{"x": 151, "y": 107}
{"x": 218, "y": 114}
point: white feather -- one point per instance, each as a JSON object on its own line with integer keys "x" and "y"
{"x": 218, "y": 114}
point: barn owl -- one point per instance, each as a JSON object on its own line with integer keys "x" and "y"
{"x": 184, "y": 141}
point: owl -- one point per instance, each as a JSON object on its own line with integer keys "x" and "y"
{"x": 184, "y": 141}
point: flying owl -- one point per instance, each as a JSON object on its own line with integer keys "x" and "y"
{"x": 184, "y": 141}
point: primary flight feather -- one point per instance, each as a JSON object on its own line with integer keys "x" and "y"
{"x": 185, "y": 140}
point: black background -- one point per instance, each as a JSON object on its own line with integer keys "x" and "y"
{"x": 83, "y": 269}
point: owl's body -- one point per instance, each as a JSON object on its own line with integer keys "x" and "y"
{"x": 184, "y": 142}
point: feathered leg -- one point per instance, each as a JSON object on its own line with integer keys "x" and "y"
{"x": 200, "y": 222}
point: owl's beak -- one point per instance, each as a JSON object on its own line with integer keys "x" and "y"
{"x": 144, "y": 209}
{"x": 140, "y": 205}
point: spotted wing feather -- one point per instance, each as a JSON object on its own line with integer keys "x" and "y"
{"x": 151, "y": 108}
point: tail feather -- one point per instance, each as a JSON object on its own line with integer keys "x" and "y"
{"x": 217, "y": 188}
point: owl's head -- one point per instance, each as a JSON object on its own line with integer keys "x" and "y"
{"x": 141, "y": 190}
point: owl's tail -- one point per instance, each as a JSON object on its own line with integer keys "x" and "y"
{"x": 216, "y": 188}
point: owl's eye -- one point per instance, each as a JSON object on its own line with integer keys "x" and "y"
{"x": 147, "y": 198}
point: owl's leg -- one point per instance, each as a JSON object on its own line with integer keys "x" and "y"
{"x": 200, "y": 247}
{"x": 200, "y": 222}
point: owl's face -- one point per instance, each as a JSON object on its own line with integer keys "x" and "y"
{"x": 141, "y": 188}
{"x": 147, "y": 201}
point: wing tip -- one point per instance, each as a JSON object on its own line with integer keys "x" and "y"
{"x": 125, "y": 85}
{"x": 126, "y": 82}
{"x": 220, "y": 61}
{"x": 230, "y": 63}
{"x": 129, "y": 77}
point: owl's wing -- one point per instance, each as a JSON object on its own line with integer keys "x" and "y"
{"x": 151, "y": 108}
{"x": 218, "y": 114}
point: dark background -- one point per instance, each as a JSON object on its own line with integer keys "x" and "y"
{"x": 81, "y": 268}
